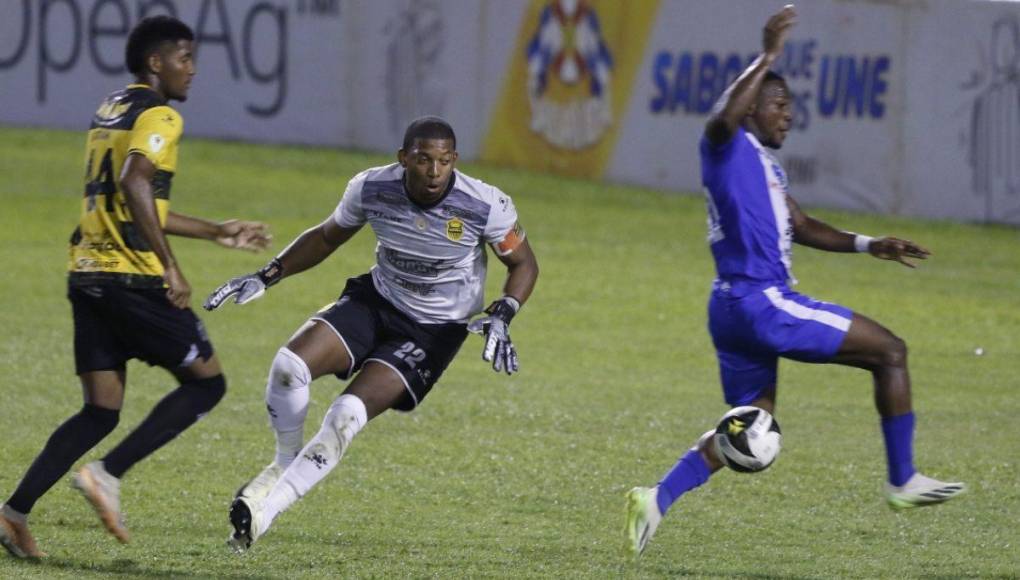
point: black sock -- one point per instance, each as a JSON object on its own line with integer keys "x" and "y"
{"x": 68, "y": 443}
{"x": 168, "y": 419}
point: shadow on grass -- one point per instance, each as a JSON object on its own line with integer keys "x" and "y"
{"x": 131, "y": 568}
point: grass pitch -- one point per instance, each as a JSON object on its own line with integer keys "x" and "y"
{"x": 524, "y": 476}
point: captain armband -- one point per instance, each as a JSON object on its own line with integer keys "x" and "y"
{"x": 510, "y": 242}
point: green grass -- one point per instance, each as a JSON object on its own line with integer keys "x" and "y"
{"x": 525, "y": 476}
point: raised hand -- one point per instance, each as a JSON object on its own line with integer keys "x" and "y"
{"x": 776, "y": 29}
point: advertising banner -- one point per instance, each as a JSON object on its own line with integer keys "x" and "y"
{"x": 267, "y": 69}
{"x": 962, "y": 130}
{"x": 570, "y": 77}
{"x": 844, "y": 65}
{"x": 903, "y": 108}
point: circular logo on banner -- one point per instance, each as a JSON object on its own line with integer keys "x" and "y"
{"x": 569, "y": 74}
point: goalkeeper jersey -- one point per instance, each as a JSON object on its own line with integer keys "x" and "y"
{"x": 430, "y": 260}
{"x": 107, "y": 247}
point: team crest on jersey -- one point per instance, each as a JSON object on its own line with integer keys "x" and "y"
{"x": 569, "y": 73}
{"x": 454, "y": 229}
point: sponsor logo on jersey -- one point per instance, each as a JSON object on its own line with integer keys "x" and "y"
{"x": 406, "y": 264}
{"x": 391, "y": 198}
{"x": 454, "y": 211}
{"x": 455, "y": 229}
{"x": 421, "y": 223}
{"x": 112, "y": 111}
{"x": 374, "y": 213}
{"x": 421, "y": 289}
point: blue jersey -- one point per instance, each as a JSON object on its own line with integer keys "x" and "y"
{"x": 749, "y": 226}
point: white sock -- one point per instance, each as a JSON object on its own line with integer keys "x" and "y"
{"x": 287, "y": 403}
{"x": 346, "y": 416}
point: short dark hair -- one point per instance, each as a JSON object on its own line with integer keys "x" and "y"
{"x": 148, "y": 35}
{"x": 772, "y": 76}
{"x": 428, "y": 128}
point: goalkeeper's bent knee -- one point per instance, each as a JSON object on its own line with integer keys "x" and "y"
{"x": 287, "y": 391}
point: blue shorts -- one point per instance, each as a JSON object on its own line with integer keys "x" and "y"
{"x": 752, "y": 325}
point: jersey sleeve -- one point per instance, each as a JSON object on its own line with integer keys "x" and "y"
{"x": 721, "y": 152}
{"x": 503, "y": 230}
{"x": 155, "y": 135}
{"x": 349, "y": 213}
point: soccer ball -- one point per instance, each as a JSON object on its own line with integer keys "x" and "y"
{"x": 748, "y": 439}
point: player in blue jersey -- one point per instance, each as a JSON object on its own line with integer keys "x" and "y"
{"x": 754, "y": 316}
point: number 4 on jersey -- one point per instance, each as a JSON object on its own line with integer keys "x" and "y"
{"x": 102, "y": 183}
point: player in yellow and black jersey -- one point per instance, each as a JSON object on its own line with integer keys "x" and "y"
{"x": 128, "y": 296}
{"x": 107, "y": 246}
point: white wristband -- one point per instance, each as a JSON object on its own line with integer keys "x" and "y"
{"x": 862, "y": 243}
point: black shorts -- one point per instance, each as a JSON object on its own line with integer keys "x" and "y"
{"x": 113, "y": 324}
{"x": 372, "y": 329}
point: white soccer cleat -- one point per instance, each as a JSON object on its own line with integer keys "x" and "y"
{"x": 259, "y": 487}
{"x": 921, "y": 491}
{"x": 247, "y": 518}
{"x": 643, "y": 518}
{"x": 102, "y": 490}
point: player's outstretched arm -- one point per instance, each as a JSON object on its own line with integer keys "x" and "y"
{"x": 814, "y": 233}
{"x": 235, "y": 234}
{"x": 737, "y": 100}
{"x": 522, "y": 273}
{"x": 307, "y": 250}
{"x": 136, "y": 183}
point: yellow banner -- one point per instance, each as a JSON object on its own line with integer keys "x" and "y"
{"x": 569, "y": 82}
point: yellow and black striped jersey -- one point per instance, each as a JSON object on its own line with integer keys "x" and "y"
{"x": 106, "y": 247}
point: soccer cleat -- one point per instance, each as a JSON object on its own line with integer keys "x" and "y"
{"x": 246, "y": 517}
{"x": 259, "y": 487}
{"x": 15, "y": 537}
{"x": 643, "y": 518}
{"x": 921, "y": 491}
{"x": 102, "y": 490}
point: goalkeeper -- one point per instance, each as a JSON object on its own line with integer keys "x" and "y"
{"x": 394, "y": 330}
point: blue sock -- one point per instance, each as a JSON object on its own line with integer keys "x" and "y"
{"x": 688, "y": 473}
{"x": 898, "y": 432}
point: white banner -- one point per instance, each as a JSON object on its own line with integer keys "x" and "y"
{"x": 906, "y": 108}
{"x": 267, "y": 69}
{"x": 845, "y": 68}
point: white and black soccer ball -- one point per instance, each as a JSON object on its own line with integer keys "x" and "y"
{"x": 748, "y": 439}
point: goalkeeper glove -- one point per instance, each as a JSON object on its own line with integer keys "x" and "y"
{"x": 247, "y": 288}
{"x": 499, "y": 350}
